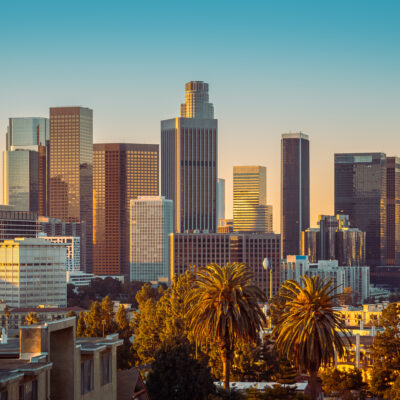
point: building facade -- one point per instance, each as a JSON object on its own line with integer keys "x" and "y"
{"x": 151, "y": 223}
{"x": 193, "y": 250}
{"x": 334, "y": 240}
{"x": 393, "y": 211}
{"x": 220, "y": 199}
{"x": 73, "y": 244}
{"x": 25, "y": 164}
{"x": 189, "y": 162}
{"x": 17, "y": 223}
{"x": 121, "y": 172}
{"x": 33, "y": 272}
{"x": 250, "y": 210}
{"x": 71, "y": 169}
{"x": 361, "y": 193}
{"x": 295, "y": 190}
{"x": 355, "y": 277}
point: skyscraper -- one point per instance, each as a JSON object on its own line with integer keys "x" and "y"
{"x": 393, "y": 211}
{"x": 121, "y": 172}
{"x": 189, "y": 162}
{"x": 220, "y": 199}
{"x": 151, "y": 224}
{"x": 71, "y": 170}
{"x": 295, "y": 191}
{"x": 250, "y": 210}
{"x": 360, "y": 192}
{"x": 25, "y": 167}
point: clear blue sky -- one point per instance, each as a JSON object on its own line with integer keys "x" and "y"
{"x": 328, "y": 68}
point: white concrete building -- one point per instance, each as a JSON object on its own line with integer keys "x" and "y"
{"x": 151, "y": 222}
{"x": 73, "y": 249}
{"x": 358, "y": 278}
{"x": 33, "y": 273}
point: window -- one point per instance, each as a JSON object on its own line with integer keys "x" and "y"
{"x": 86, "y": 376}
{"x": 106, "y": 368}
{"x": 4, "y": 395}
{"x": 34, "y": 390}
{"x": 21, "y": 392}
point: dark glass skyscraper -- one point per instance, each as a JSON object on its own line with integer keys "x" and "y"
{"x": 121, "y": 172}
{"x": 189, "y": 162}
{"x": 295, "y": 191}
{"x": 393, "y": 211}
{"x": 71, "y": 170}
{"x": 361, "y": 193}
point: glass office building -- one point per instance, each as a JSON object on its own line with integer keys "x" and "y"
{"x": 361, "y": 193}
{"x": 25, "y": 166}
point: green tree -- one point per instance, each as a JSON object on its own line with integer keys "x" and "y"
{"x": 31, "y": 318}
{"x": 81, "y": 325}
{"x": 125, "y": 354}
{"x": 107, "y": 316}
{"x": 176, "y": 374}
{"x": 385, "y": 353}
{"x": 286, "y": 374}
{"x": 225, "y": 306}
{"x": 308, "y": 330}
{"x": 94, "y": 326}
{"x": 343, "y": 384}
{"x": 279, "y": 392}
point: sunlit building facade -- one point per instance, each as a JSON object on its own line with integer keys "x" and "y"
{"x": 151, "y": 223}
{"x": 361, "y": 193}
{"x": 193, "y": 250}
{"x": 121, "y": 172}
{"x": 295, "y": 190}
{"x": 250, "y": 210}
{"x": 334, "y": 240}
{"x": 189, "y": 162}
{"x": 220, "y": 199}
{"x": 71, "y": 169}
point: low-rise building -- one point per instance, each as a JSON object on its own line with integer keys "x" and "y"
{"x": 48, "y": 361}
{"x": 33, "y": 272}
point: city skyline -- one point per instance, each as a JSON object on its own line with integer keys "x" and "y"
{"x": 343, "y": 92}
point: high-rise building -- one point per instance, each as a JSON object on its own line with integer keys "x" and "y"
{"x": 193, "y": 250}
{"x": 151, "y": 224}
{"x": 334, "y": 240}
{"x": 393, "y": 211}
{"x": 71, "y": 169}
{"x": 33, "y": 273}
{"x": 121, "y": 172}
{"x": 295, "y": 190}
{"x": 189, "y": 162}
{"x": 361, "y": 193}
{"x": 250, "y": 210}
{"x": 355, "y": 277}
{"x": 220, "y": 199}
{"x": 25, "y": 166}
{"x": 17, "y": 224}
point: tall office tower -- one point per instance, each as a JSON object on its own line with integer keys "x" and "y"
{"x": 360, "y": 193}
{"x": 17, "y": 224}
{"x": 193, "y": 250}
{"x": 71, "y": 170}
{"x": 393, "y": 211}
{"x": 334, "y": 240}
{"x": 121, "y": 172}
{"x": 250, "y": 210}
{"x": 25, "y": 167}
{"x": 220, "y": 199}
{"x": 295, "y": 191}
{"x": 189, "y": 162}
{"x": 151, "y": 222}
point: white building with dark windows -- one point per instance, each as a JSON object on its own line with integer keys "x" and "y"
{"x": 33, "y": 273}
{"x": 355, "y": 277}
{"x": 151, "y": 222}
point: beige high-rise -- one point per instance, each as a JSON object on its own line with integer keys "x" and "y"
{"x": 250, "y": 210}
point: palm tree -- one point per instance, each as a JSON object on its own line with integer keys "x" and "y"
{"x": 225, "y": 306}
{"x": 308, "y": 330}
{"x": 31, "y": 318}
{"x": 7, "y": 313}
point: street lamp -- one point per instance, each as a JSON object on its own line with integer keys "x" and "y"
{"x": 268, "y": 267}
